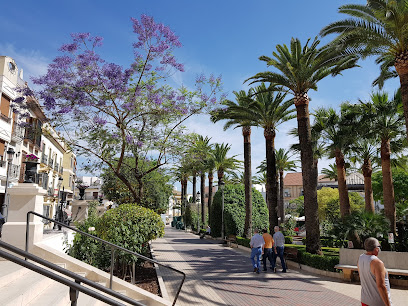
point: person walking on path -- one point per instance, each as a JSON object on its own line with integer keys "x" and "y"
{"x": 267, "y": 249}
{"x": 375, "y": 285}
{"x": 257, "y": 243}
{"x": 279, "y": 247}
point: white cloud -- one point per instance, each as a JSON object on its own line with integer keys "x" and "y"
{"x": 32, "y": 62}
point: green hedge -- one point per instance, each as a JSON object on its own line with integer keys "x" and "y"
{"x": 243, "y": 241}
{"x": 288, "y": 240}
{"x": 234, "y": 211}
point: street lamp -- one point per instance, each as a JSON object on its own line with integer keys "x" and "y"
{"x": 198, "y": 211}
{"x": 57, "y": 211}
{"x": 222, "y": 184}
{"x": 10, "y": 154}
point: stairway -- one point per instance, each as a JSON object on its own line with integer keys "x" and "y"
{"x": 21, "y": 286}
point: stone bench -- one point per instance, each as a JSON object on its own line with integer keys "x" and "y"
{"x": 395, "y": 262}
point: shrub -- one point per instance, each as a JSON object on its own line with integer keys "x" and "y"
{"x": 130, "y": 226}
{"x": 288, "y": 240}
{"x": 321, "y": 262}
{"x": 243, "y": 241}
{"x": 234, "y": 211}
{"x": 85, "y": 248}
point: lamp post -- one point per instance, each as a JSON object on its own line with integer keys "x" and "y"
{"x": 10, "y": 155}
{"x": 198, "y": 211}
{"x": 222, "y": 184}
{"x": 57, "y": 212}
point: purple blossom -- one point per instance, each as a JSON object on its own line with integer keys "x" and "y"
{"x": 115, "y": 135}
{"x": 204, "y": 97}
{"x": 213, "y": 100}
{"x": 18, "y": 100}
{"x": 65, "y": 110}
{"x": 139, "y": 143}
{"x": 129, "y": 139}
{"x": 68, "y": 48}
{"x": 99, "y": 120}
{"x": 200, "y": 78}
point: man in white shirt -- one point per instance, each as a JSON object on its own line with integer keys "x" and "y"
{"x": 375, "y": 285}
{"x": 257, "y": 242}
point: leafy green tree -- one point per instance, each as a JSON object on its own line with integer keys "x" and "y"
{"x": 329, "y": 208}
{"x": 233, "y": 114}
{"x": 108, "y": 113}
{"x": 299, "y": 69}
{"x": 234, "y": 211}
{"x": 156, "y": 186}
{"x": 378, "y": 28}
{"x": 222, "y": 163}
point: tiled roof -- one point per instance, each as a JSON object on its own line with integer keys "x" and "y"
{"x": 293, "y": 179}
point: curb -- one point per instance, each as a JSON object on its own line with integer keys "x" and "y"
{"x": 162, "y": 286}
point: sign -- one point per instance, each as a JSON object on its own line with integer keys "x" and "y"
{"x": 390, "y": 237}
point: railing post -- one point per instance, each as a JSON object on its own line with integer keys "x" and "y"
{"x": 111, "y": 268}
{"x": 73, "y": 294}
{"x": 27, "y": 233}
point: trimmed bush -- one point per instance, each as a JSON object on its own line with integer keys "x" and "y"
{"x": 288, "y": 240}
{"x": 243, "y": 241}
{"x": 321, "y": 262}
{"x": 234, "y": 211}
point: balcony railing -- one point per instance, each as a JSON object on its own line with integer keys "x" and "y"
{"x": 61, "y": 170}
{"x": 50, "y": 162}
{"x": 42, "y": 180}
{"x": 56, "y": 167}
{"x": 14, "y": 171}
{"x": 50, "y": 192}
{"x": 44, "y": 159}
{"x": 17, "y": 134}
{"x": 5, "y": 118}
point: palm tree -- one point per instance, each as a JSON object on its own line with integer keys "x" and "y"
{"x": 300, "y": 69}
{"x": 338, "y": 131}
{"x": 283, "y": 164}
{"x": 231, "y": 114}
{"x": 365, "y": 152}
{"x": 331, "y": 172}
{"x": 222, "y": 163}
{"x": 203, "y": 148}
{"x": 387, "y": 126}
{"x": 268, "y": 110}
{"x": 378, "y": 28}
{"x": 209, "y": 165}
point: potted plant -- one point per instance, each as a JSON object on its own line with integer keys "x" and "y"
{"x": 31, "y": 168}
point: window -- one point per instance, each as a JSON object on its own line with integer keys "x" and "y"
{"x": 5, "y": 108}
{"x": 287, "y": 193}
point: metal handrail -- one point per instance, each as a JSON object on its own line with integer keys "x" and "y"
{"x": 113, "y": 247}
{"x": 74, "y": 285}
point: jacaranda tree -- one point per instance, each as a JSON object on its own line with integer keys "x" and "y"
{"x": 106, "y": 112}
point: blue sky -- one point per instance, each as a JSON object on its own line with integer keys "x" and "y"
{"x": 219, "y": 37}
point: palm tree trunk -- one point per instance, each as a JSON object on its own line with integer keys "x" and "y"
{"x": 194, "y": 188}
{"x": 182, "y": 197}
{"x": 246, "y": 132}
{"x": 271, "y": 186}
{"x": 309, "y": 175}
{"x": 388, "y": 186}
{"x": 202, "y": 191}
{"x": 402, "y": 71}
{"x": 368, "y": 187}
{"x": 281, "y": 208}
{"x": 342, "y": 185}
{"x": 210, "y": 192}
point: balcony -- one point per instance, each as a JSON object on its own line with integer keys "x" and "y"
{"x": 50, "y": 192}
{"x": 14, "y": 171}
{"x": 5, "y": 118}
{"x": 56, "y": 167}
{"x": 50, "y": 163}
{"x": 61, "y": 170}
{"x": 42, "y": 180}
{"x": 17, "y": 134}
{"x": 44, "y": 159}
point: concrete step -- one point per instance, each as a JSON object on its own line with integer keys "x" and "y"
{"x": 24, "y": 289}
{"x": 56, "y": 295}
{"x": 10, "y": 272}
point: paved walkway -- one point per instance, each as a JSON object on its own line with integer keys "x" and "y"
{"x": 218, "y": 275}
